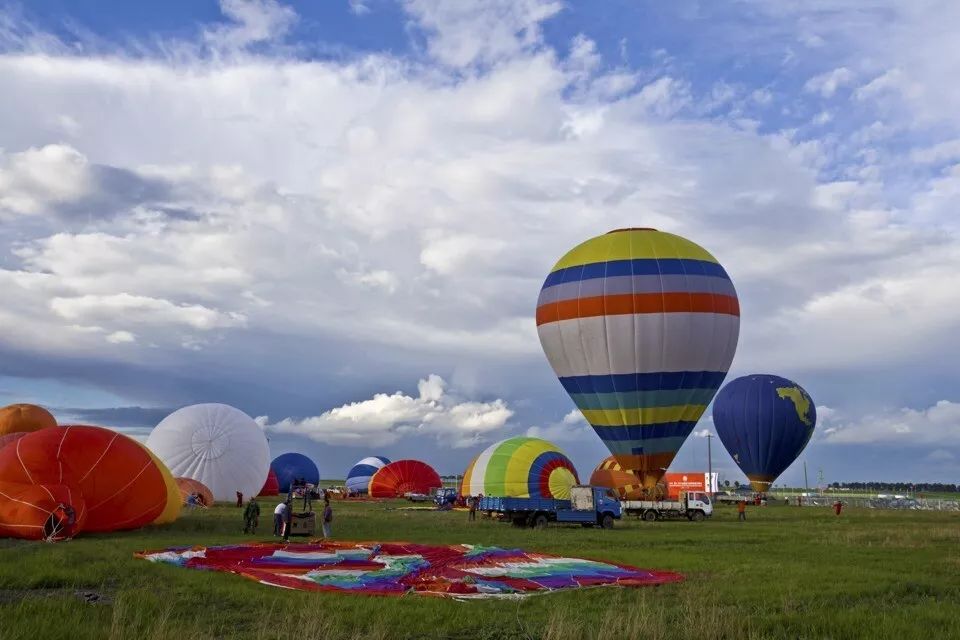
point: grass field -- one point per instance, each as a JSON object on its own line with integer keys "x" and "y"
{"x": 786, "y": 573}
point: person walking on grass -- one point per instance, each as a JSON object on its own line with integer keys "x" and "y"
{"x": 327, "y": 519}
{"x": 742, "y": 511}
{"x": 279, "y": 518}
{"x": 251, "y": 516}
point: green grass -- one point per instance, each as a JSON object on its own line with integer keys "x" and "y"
{"x": 786, "y": 573}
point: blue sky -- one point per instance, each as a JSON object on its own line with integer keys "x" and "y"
{"x": 337, "y": 215}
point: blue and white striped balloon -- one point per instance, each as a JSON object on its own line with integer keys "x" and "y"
{"x": 359, "y": 476}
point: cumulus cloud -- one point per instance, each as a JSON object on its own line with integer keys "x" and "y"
{"x": 908, "y": 427}
{"x": 571, "y": 428}
{"x": 385, "y": 418}
{"x": 826, "y": 84}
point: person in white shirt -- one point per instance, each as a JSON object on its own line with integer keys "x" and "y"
{"x": 279, "y": 517}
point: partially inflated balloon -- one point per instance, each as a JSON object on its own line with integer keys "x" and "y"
{"x": 520, "y": 467}
{"x": 403, "y": 476}
{"x": 358, "y": 478}
{"x": 271, "y": 487}
{"x": 610, "y": 474}
{"x": 764, "y": 421}
{"x": 40, "y": 511}
{"x": 294, "y": 466}
{"x": 641, "y": 327}
{"x": 172, "y": 509}
{"x": 24, "y": 418}
{"x": 189, "y": 486}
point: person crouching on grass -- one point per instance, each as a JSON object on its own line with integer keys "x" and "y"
{"x": 327, "y": 520}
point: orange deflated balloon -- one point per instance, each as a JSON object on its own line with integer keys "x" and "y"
{"x": 24, "y": 418}
{"x": 121, "y": 485}
{"x": 609, "y": 473}
{"x": 189, "y": 486}
{"x": 40, "y": 512}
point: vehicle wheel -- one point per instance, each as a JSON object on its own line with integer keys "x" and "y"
{"x": 650, "y": 516}
{"x": 697, "y": 516}
{"x": 540, "y": 522}
{"x": 607, "y": 521}
{"x": 586, "y": 525}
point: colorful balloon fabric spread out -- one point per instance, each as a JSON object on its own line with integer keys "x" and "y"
{"x": 765, "y": 422}
{"x": 610, "y": 474}
{"x": 520, "y": 467}
{"x": 271, "y": 487}
{"x": 293, "y": 466}
{"x": 215, "y": 444}
{"x": 401, "y": 477}
{"x": 457, "y": 571}
{"x": 358, "y": 478}
{"x": 189, "y": 486}
{"x": 24, "y": 418}
{"x": 640, "y": 326}
{"x": 112, "y": 479}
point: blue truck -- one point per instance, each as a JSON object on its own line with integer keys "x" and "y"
{"x": 590, "y": 506}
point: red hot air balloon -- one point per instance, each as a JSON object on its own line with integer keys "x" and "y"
{"x": 271, "y": 487}
{"x": 119, "y": 482}
{"x": 40, "y": 511}
{"x": 401, "y": 477}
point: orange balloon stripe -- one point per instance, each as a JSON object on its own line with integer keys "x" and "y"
{"x": 625, "y": 304}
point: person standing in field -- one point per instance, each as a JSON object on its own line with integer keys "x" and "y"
{"x": 837, "y": 507}
{"x": 279, "y": 517}
{"x": 327, "y": 520}
{"x": 239, "y": 499}
{"x": 742, "y": 511}
{"x": 472, "y": 504}
{"x": 251, "y": 516}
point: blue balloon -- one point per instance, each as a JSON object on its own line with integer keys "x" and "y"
{"x": 359, "y": 475}
{"x": 764, "y": 421}
{"x": 294, "y": 466}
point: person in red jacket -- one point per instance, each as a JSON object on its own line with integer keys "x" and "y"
{"x": 239, "y": 499}
{"x": 837, "y": 507}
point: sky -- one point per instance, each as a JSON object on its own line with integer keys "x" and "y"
{"x": 337, "y": 216}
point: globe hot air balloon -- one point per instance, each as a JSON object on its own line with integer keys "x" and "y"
{"x": 403, "y": 476}
{"x": 294, "y": 466}
{"x": 764, "y": 421}
{"x": 520, "y": 467}
{"x": 640, "y": 326}
{"x": 358, "y": 478}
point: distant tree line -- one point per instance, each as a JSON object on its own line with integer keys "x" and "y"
{"x": 897, "y": 486}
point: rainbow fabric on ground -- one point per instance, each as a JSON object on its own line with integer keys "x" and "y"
{"x": 641, "y": 327}
{"x": 458, "y": 571}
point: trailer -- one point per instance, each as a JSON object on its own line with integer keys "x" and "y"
{"x": 692, "y": 505}
{"x": 590, "y": 506}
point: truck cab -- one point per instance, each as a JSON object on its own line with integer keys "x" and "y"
{"x": 697, "y": 502}
{"x": 599, "y": 502}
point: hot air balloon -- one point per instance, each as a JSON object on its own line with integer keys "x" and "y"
{"x": 764, "y": 421}
{"x": 610, "y": 474}
{"x": 218, "y": 445}
{"x": 172, "y": 509}
{"x": 189, "y": 486}
{"x": 641, "y": 327}
{"x": 40, "y": 511}
{"x": 11, "y": 437}
{"x": 358, "y": 478}
{"x": 114, "y": 475}
{"x": 293, "y": 466}
{"x": 271, "y": 487}
{"x": 520, "y": 467}
{"x": 24, "y": 418}
{"x": 401, "y": 477}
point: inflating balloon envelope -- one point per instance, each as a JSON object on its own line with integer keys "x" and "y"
{"x": 640, "y": 326}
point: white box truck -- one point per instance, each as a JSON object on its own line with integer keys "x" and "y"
{"x": 692, "y": 505}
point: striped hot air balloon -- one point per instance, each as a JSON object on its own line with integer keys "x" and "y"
{"x": 520, "y": 467}
{"x": 641, "y": 327}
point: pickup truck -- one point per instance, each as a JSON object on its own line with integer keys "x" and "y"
{"x": 692, "y": 505}
{"x": 590, "y": 506}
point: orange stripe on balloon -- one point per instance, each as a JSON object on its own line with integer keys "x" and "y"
{"x": 625, "y": 304}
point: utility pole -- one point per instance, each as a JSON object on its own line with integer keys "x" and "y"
{"x": 709, "y": 467}
{"x": 806, "y": 484}
{"x": 820, "y": 481}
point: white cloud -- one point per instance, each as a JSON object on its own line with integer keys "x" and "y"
{"x": 253, "y": 21}
{"x": 826, "y": 84}
{"x": 571, "y": 428}
{"x": 33, "y": 181}
{"x": 142, "y": 310}
{"x": 386, "y": 418}
{"x": 121, "y": 337}
{"x": 908, "y": 427}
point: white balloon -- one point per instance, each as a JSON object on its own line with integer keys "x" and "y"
{"x": 215, "y": 444}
